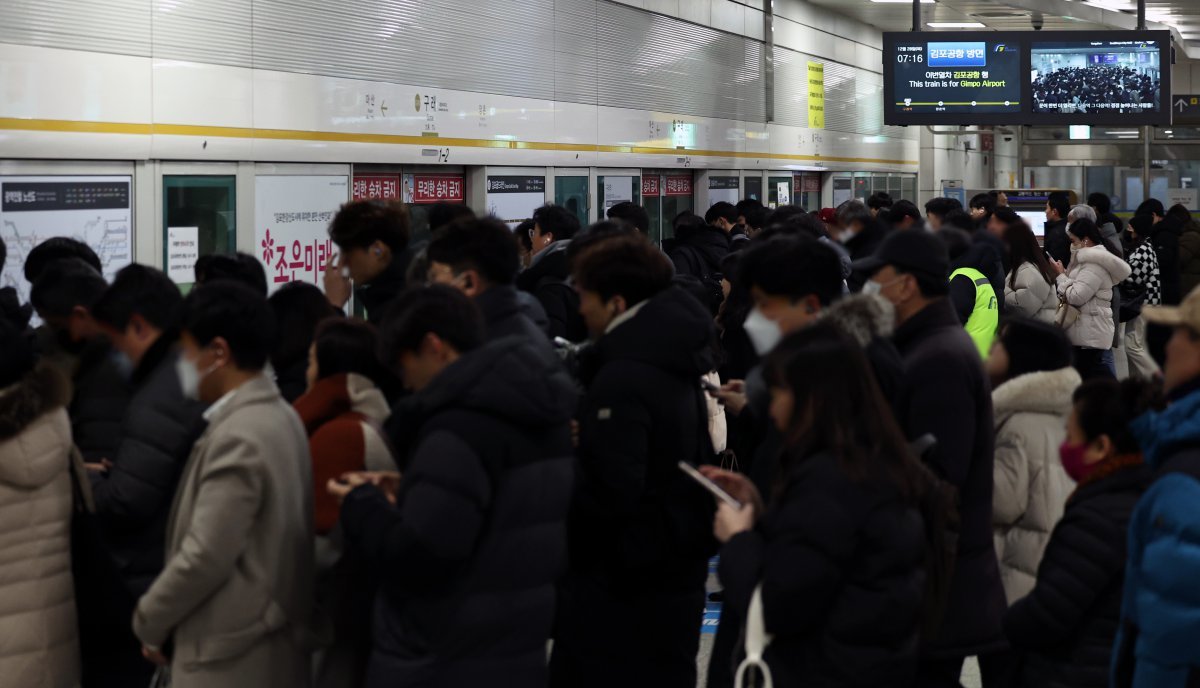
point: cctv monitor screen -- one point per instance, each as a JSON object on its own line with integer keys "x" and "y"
{"x": 1097, "y": 77}
{"x": 961, "y": 77}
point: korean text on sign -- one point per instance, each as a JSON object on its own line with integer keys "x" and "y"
{"x": 296, "y": 261}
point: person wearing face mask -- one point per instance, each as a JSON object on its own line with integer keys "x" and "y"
{"x": 1086, "y": 291}
{"x": 862, "y": 232}
{"x": 373, "y": 243}
{"x": 233, "y": 603}
{"x": 1063, "y": 630}
{"x": 639, "y": 529}
{"x": 62, "y": 295}
{"x": 944, "y": 393}
{"x": 133, "y": 495}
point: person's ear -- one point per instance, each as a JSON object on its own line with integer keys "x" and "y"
{"x": 1104, "y": 445}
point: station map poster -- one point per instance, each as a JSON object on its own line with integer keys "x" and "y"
{"x": 513, "y": 198}
{"x": 96, "y": 210}
{"x": 291, "y": 223}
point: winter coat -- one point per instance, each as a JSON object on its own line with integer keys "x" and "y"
{"x": 235, "y": 597}
{"x": 946, "y": 394}
{"x": 641, "y": 530}
{"x": 101, "y": 396}
{"x": 504, "y": 316}
{"x": 1156, "y": 646}
{"x": 1030, "y": 486}
{"x": 699, "y": 252}
{"x": 870, "y": 320}
{"x": 546, "y": 278}
{"x": 1088, "y": 285}
{"x": 1063, "y": 630}
{"x": 1164, "y": 237}
{"x": 376, "y": 295}
{"x": 343, "y": 416}
{"x": 1143, "y": 265}
{"x": 963, "y": 289}
{"x": 469, "y": 554}
{"x": 1056, "y": 241}
{"x": 1189, "y": 258}
{"x": 39, "y": 646}
{"x": 840, "y": 564}
{"x": 866, "y": 241}
{"x": 1032, "y": 296}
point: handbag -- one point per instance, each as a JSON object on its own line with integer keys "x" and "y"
{"x": 1066, "y": 314}
{"x": 757, "y": 640}
{"x": 1133, "y": 297}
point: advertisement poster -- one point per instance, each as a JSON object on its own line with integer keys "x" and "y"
{"x": 183, "y": 248}
{"x": 816, "y": 95}
{"x": 291, "y": 222}
{"x": 93, "y": 209}
{"x": 513, "y": 199}
{"x": 723, "y": 189}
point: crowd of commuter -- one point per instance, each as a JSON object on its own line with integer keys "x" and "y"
{"x": 938, "y": 440}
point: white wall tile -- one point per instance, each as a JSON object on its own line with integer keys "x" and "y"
{"x": 698, "y": 11}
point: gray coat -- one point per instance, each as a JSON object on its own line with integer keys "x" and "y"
{"x": 235, "y": 596}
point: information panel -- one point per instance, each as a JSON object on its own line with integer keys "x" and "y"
{"x": 961, "y": 77}
{"x": 1096, "y": 77}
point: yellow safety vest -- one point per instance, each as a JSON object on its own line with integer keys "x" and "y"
{"x": 985, "y": 317}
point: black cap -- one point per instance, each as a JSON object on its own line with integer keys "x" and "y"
{"x": 914, "y": 251}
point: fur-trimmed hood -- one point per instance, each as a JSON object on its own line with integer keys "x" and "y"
{"x": 1116, "y": 268}
{"x": 863, "y": 317}
{"x": 1042, "y": 392}
{"x": 39, "y": 392}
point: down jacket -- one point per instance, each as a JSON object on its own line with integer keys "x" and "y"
{"x": 1088, "y": 286}
{"x": 1031, "y": 487}
{"x": 39, "y": 646}
{"x": 1031, "y": 295}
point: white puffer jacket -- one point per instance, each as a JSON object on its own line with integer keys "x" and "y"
{"x": 1088, "y": 285}
{"x": 1031, "y": 487}
{"x": 1033, "y": 296}
{"x": 39, "y": 645}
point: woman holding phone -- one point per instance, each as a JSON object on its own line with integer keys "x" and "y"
{"x": 839, "y": 549}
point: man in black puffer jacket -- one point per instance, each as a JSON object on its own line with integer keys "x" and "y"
{"x": 546, "y": 276}
{"x": 640, "y": 528}
{"x": 700, "y": 246}
{"x": 1065, "y": 628}
{"x": 474, "y": 538}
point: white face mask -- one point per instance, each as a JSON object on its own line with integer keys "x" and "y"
{"x": 763, "y": 332}
{"x": 189, "y": 377}
{"x": 1074, "y": 249}
{"x": 872, "y": 288}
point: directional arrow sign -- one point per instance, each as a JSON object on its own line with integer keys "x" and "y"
{"x": 1181, "y": 105}
{"x": 1186, "y": 108}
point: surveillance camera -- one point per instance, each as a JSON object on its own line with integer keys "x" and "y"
{"x": 1037, "y": 21}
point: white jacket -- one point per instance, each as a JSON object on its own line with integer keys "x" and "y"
{"x": 1088, "y": 285}
{"x": 1033, "y": 296}
{"x": 1031, "y": 487}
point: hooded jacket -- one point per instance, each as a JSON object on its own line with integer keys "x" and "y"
{"x": 1030, "y": 486}
{"x": 1088, "y": 285}
{"x": 376, "y": 295}
{"x": 469, "y": 554}
{"x": 699, "y": 251}
{"x": 870, "y": 320}
{"x": 546, "y": 278}
{"x": 1156, "y": 646}
{"x": 1189, "y": 258}
{"x": 39, "y": 646}
{"x": 1164, "y": 237}
{"x": 1031, "y": 296}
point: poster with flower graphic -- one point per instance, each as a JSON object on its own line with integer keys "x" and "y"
{"x": 291, "y": 221}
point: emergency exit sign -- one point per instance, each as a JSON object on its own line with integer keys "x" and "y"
{"x": 1185, "y": 108}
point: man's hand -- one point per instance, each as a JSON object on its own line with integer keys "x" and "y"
{"x": 337, "y": 287}
{"x": 737, "y": 485}
{"x": 729, "y": 521}
{"x": 104, "y": 466}
{"x": 733, "y": 395}
{"x": 388, "y": 482}
{"x": 154, "y": 656}
{"x": 340, "y": 487}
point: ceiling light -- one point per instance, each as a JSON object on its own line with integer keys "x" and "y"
{"x": 955, "y": 25}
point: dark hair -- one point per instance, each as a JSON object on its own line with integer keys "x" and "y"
{"x": 347, "y": 346}
{"x": 442, "y": 214}
{"x": 1022, "y": 247}
{"x": 236, "y": 313}
{"x": 795, "y": 224}
{"x": 58, "y": 248}
{"x": 756, "y": 217}
{"x": 792, "y": 266}
{"x": 64, "y": 284}
{"x": 1060, "y": 203}
{"x": 12, "y": 310}
{"x": 435, "y": 309}
{"x": 747, "y": 204}
{"x": 522, "y": 234}
{"x": 556, "y": 220}
{"x": 959, "y": 219}
{"x": 142, "y": 290}
{"x": 956, "y": 241}
{"x": 853, "y": 211}
{"x": 982, "y": 200}
{"x": 17, "y": 357}
{"x": 1152, "y": 206}
{"x": 482, "y": 244}
{"x": 1034, "y": 346}
{"x": 929, "y": 285}
{"x": 902, "y": 209}
{"x": 628, "y": 266}
{"x": 359, "y": 224}
{"x": 1101, "y": 202}
{"x": 879, "y": 200}
{"x": 631, "y": 213}
{"x": 299, "y": 307}
{"x": 1180, "y": 212}
{"x": 3, "y": 253}
{"x": 838, "y": 408}
{"x": 941, "y": 206}
{"x": 1006, "y": 215}
{"x": 721, "y": 210}
{"x": 594, "y": 234}
{"x": 1106, "y": 407}
{"x": 785, "y": 213}
{"x": 239, "y": 267}
{"x": 1141, "y": 224}
{"x": 1086, "y": 229}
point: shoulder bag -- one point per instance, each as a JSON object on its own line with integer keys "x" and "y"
{"x": 757, "y": 640}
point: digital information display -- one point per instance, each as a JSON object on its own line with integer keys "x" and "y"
{"x": 967, "y": 77}
{"x": 1027, "y": 77}
{"x": 1095, "y": 77}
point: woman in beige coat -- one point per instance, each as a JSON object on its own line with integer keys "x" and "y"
{"x": 1030, "y": 366}
{"x": 1087, "y": 287}
{"x": 1029, "y": 286}
{"x": 39, "y": 646}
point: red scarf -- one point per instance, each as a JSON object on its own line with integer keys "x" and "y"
{"x": 1108, "y": 467}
